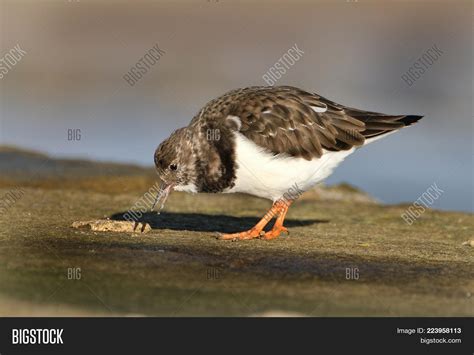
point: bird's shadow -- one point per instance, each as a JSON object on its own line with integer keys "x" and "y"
{"x": 199, "y": 222}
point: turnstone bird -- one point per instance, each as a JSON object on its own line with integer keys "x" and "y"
{"x": 270, "y": 142}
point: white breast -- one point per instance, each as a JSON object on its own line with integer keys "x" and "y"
{"x": 263, "y": 174}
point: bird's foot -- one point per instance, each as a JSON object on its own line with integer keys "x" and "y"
{"x": 275, "y": 232}
{"x": 250, "y": 234}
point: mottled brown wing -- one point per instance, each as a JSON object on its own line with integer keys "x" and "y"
{"x": 288, "y": 120}
{"x": 292, "y": 121}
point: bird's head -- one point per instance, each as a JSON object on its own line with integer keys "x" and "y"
{"x": 174, "y": 162}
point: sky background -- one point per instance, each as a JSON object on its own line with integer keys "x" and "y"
{"x": 355, "y": 53}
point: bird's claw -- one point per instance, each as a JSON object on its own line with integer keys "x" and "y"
{"x": 250, "y": 234}
{"x": 275, "y": 232}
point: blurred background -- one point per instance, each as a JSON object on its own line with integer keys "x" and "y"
{"x": 355, "y": 53}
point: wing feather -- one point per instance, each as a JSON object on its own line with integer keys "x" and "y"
{"x": 287, "y": 120}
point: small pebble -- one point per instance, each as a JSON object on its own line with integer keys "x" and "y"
{"x": 104, "y": 225}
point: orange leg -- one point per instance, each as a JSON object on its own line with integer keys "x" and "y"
{"x": 279, "y": 208}
{"x": 278, "y": 226}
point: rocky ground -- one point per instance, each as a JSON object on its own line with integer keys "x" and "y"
{"x": 346, "y": 255}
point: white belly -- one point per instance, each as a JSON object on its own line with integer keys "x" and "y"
{"x": 265, "y": 175}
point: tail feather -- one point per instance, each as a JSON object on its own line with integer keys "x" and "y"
{"x": 378, "y": 124}
{"x": 410, "y": 119}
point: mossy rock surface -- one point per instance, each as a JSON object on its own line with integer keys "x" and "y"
{"x": 341, "y": 258}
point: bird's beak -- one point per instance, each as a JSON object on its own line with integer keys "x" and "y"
{"x": 162, "y": 195}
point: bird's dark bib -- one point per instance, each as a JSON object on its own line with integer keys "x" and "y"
{"x": 215, "y": 163}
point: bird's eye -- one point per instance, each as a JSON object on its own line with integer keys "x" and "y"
{"x": 173, "y": 167}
